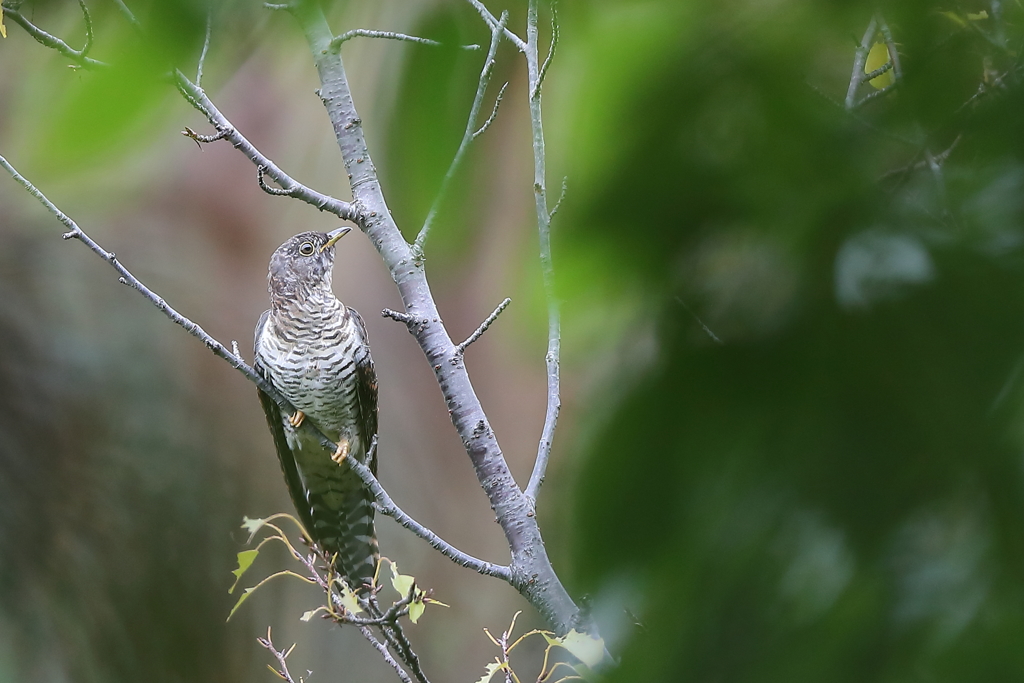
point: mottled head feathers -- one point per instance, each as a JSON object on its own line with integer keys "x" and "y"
{"x": 302, "y": 266}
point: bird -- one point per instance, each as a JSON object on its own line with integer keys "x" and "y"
{"x": 313, "y": 350}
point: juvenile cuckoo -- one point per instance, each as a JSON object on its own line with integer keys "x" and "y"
{"x": 313, "y": 349}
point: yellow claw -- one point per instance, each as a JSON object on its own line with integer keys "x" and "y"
{"x": 342, "y": 452}
{"x": 296, "y": 418}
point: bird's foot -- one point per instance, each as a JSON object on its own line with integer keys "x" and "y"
{"x": 296, "y": 418}
{"x": 342, "y": 452}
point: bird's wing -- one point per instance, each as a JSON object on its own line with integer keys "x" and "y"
{"x": 366, "y": 389}
{"x": 284, "y": 452}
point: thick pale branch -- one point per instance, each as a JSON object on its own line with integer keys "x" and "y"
{"x": 469, "y": 135}
{"x": 531, "y": 571}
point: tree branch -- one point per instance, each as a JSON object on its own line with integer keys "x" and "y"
{"x": 858, "y": 62}
{"x": 389, "y": 35}
{"x": 225, "y": 130}
{"x": 531, "y": 571}
{"x": 492, "y": 23}
{"x": 469, "y": 135}
{"x": 79, "y": 57}
{"x": 387, "y": 505}
{"x": 461, "y": 348}
{"x": 552, "y": 358}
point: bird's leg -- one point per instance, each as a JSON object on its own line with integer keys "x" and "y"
{"x": 342, "y": 452}
{"x": 296, "y": 418}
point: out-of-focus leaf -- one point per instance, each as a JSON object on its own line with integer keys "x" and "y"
{"x": 878, "y": 57}
{"x": 245, "y": 560}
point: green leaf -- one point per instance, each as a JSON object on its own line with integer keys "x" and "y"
{"x": 3, "y": 29}
{"x": 416, "y": 610}
{"x": 245, "y": 560}
{"x": 348, "y": 599}
{"x": 403, "y": 583}
{"x": 582, "y": 646}
{"x": 490, "y": 669}
{"x": 306, "y": 616}
{"x": 877, "y": 58}
{"x": 242, "y": 598}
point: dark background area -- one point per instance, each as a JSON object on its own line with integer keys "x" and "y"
{"x": 791, "y": 447}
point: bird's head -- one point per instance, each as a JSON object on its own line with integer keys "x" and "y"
{"x": 303, "y": 265}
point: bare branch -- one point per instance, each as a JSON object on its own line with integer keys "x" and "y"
{"x": 79, "y": 57}
{"x": 890, "y": 45}
{"x": 260, "y": 170}
{"x": 126, "y": 278}
{"x": 858, "y": 77}
{"x": 561, "y": 196}
{"x": 468, "y": 136}
{"x": 530, "y": 570}
{"x": 494, "y": 113}
{"x": 195, "y": 96}
{"x": 389, "y": 35}
{"x": 278, "y": 5}
{"x": 551, "y": 358}
{"x": 877, "y": 72}
{"x": 127, "y": 14}
{"x": 206, "y": 47}
{"x": 551, "y": 49}
{"x": 492, "y": 23}
{"x": 200, "y": 138}
{"x": 280, "y": 655}
{"x": 88, "y": 28}
{"x": 409, "y": 320}
{"x": 461, "y": 348}
{"x": 858, "y": 62}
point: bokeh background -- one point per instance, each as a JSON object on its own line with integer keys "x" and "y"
{"x": 791, "y": 447}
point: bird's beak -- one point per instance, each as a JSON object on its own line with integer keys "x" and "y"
{"x": 333, "y": 236}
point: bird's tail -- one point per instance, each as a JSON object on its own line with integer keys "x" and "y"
{"x": 343, "y": 526}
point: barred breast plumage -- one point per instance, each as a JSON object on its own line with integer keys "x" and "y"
{"x": 313, "y": 349}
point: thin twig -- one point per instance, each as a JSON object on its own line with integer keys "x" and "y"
{"x": 88, "y": 28}
{"x": 469, "y": 135}
{"x": 200, "y": 138}
{"x": 877, "y": 72}
{"x": 280, "y": 655}
{"x": 43, "y": 38}
{"x": 492, "y": 23}
{"x": 890, "y": 46}
{"x": 551, "y": 48}
{"x": 494, "y": 113}
{"x": 389, "y": 35}
{"x": 561, "y": 196}
{"x": 401, "y": 317}
{"x": 388, "y": 507}
{"x": 461, "y": 348}
{"x": 260, "y": 170}
{"x": 206, "y": 47}
{"x": 126, "y": 278}
{"x": 551, "y": 358}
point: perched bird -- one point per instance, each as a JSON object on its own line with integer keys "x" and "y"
{"x": 313, "y": 349}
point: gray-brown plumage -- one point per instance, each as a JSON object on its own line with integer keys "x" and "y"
{"x": 313, "y": 349}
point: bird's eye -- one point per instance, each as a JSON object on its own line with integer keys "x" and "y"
{"x": 306, "y": 249}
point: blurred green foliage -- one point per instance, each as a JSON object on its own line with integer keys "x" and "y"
{"x": 817, "y": 472}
